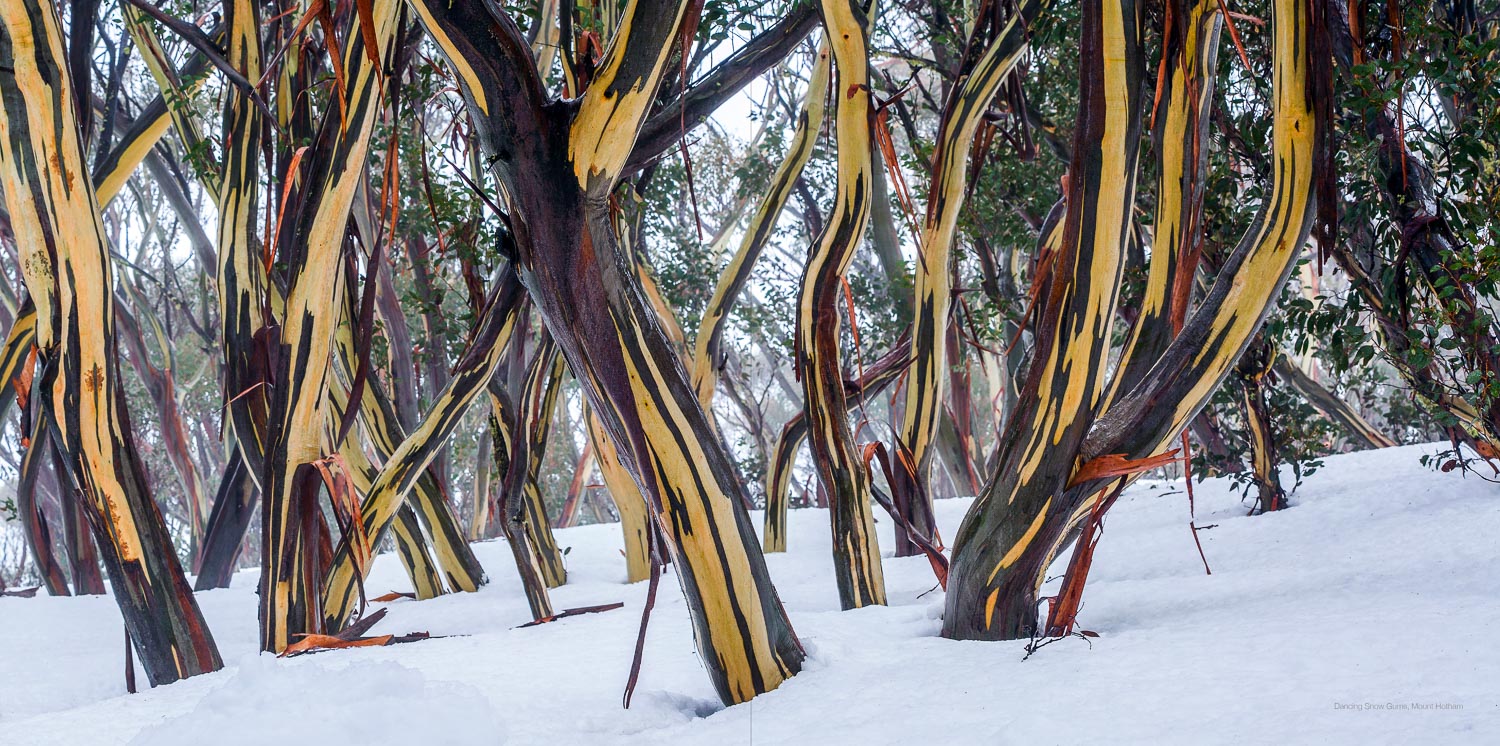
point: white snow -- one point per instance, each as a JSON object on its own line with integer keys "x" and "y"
{"x": 1363, "y": 614}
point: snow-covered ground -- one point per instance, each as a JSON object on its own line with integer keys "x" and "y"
{"x": 1364, "y": 614}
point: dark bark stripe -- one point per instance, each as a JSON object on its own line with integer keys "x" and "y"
{"x": 29, "y": 508}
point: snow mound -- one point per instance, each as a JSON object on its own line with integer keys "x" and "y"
{"x": 307, "y": 701}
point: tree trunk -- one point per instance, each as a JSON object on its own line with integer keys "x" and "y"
{"x": 1260, "y": 429}
{"x": 928, "y": 372}
{"x": 560, "y": 161}
{"x": 1011, "y": 534}
{"x": 856, "y": 554}
{"x": 68, "y": 273}
{"x": 635, "y": 519}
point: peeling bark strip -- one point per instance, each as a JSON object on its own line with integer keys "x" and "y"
{"x": 1027, "y": 521}
{"x": 311, "y": 247}
{"x": 66, "y": 266}
{"x": 964, "y": 111}
{"x": 856, "y": 555}
{"x": 558, "y": 163}
{"x": 1066, "y": 378}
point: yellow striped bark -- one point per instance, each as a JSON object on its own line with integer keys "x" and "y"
{"x": 758, "y": 233}
{"x": 539, "y": 402}
{"x": 990, "y": 599}
{"x": 1065, "y": 381}
{"x": 856, "y": 553}
{"x": 289, "y": 593}
{"x": 65, "y": 263}
{"x": 635, "y": 521}
{"x": 508, "y": 433}
{"x": 928, "y": 377}
{"x": 242, "y": 282}
{"x": 1259, "y": 432}
{"x": 408, "y": 462}
{"x": 1181, "y": 139}
{"x": 411, "y": 542}
{"x": 427, "y": 513}
{"x": 178, "y": 99}
{"x": 558, "y": 165}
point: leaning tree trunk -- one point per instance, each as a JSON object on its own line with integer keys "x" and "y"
{"x": 709, "y": 342}
{"x": 509, "y": 441}
{"x": 234, "y": 505}
{"x": 967, "y": 105}
{"x": 538, "y": 406}
{"x": 1014, "y": 530}
{"x": 426, "y": 525}
{"x": 993, "y": 575}
{"x": 408, "y": 463}
{"x": 65, "y": 262}
{"x": 878, "y": 376}
{"x": 29, "y": 509}
{"x": 411, "y": 539}
{"x": 559, "y": 163}
{"x": 1332, "y": 407}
